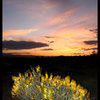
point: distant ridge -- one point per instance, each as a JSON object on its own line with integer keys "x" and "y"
{"x": 25, "y": 56}
{"x": 34, "y": 56}
{"x": 11, "y": 55}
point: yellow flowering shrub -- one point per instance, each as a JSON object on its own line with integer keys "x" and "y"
{"x": 34, "y": 86}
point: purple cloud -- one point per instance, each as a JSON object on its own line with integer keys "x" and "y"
{"x": 91, "y": 42}
{"x": 47, "y": 49}
{"x": 18, "y": 45}
{"x": 86, "y": 49}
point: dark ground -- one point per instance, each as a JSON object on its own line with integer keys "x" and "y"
{"x": 82, "y": 69}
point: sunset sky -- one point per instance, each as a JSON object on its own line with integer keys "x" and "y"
{"x": 50, "y": 27}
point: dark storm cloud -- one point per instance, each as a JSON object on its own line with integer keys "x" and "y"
{"x": 47, "y": 49}
{"x": 17, "y": 45}
{"x": 89, "y": 49}
{"x": 91, "y": 42}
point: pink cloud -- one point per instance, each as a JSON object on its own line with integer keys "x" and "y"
{"x": 59, "y": 18}
{"x": 80, "y": 22}
{"x": 18, "y": 32}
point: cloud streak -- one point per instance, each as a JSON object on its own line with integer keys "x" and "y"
{"x": 93, "y": 30}
{"x": 51, "y": 41}
{"x": 18, "y": 32}
{"x": 91, "y": 42}
{"x": 48, "y": 49}
{"x": 86, "y": 49}
{"x": 59, "y": 18}
{"x": 49, "y": 37}
{"x": 19, "y": 45}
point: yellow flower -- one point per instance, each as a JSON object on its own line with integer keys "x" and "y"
{"x": 64, "y": 82}
{"x": 83, "y": 92}
{"x": 49, "y": 91}
{"x": 78, "y": 87}
{"x": 52, "y": 91}
{"x": 23, "y": 78}
{"x": 19, "y": 74}
{"x": 15, "y": 88}
{"x": 67, "y": 79}
{"x": 73, "y": 85}
{"x": 30, "y": 76}
{"x": 39, "y": 87}
{"x": 54, "y": 83}
{"x": 58, "y": 77}
{"x": 32, "y": 98}
{"x": 77, "y": 93}
{"x": 81, "y": 97}
{"x": 50, "y": 78}
{"x": 42, "y": 78}
{"x": 18, "y": 82}
{"x": 12, "y": 93}
{"x": 42, "y": 84}
{"x": 26, "y": 93}
{"x": 38, "y": 68}
{"x": 88, "y": 96}
{"x": 26, "y": 86}
{"x": 26, "y": 74}
{"x": 50, "y": 99}
{"x": 39, "y": 74}
{"x": 74, "y": 96}
{"x": 45, "y": 96}
{"x": 50, "y": 94}
{"x": 58, "y": 86}
{"x": 46, "y": 76}
{"x": 15, "y": 78}
{"x": 45, "y": 90}
{"x": 27, "y": 80}
{"x": 30, "y": 84}
{"x": 33, "y": 78}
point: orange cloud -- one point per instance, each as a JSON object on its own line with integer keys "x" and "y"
{"x": 18, "y": 32}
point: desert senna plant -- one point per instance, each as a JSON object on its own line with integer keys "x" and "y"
{"x": 34, "y": 86}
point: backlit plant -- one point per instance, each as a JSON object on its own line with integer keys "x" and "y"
{"x": 34, "y": 86}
